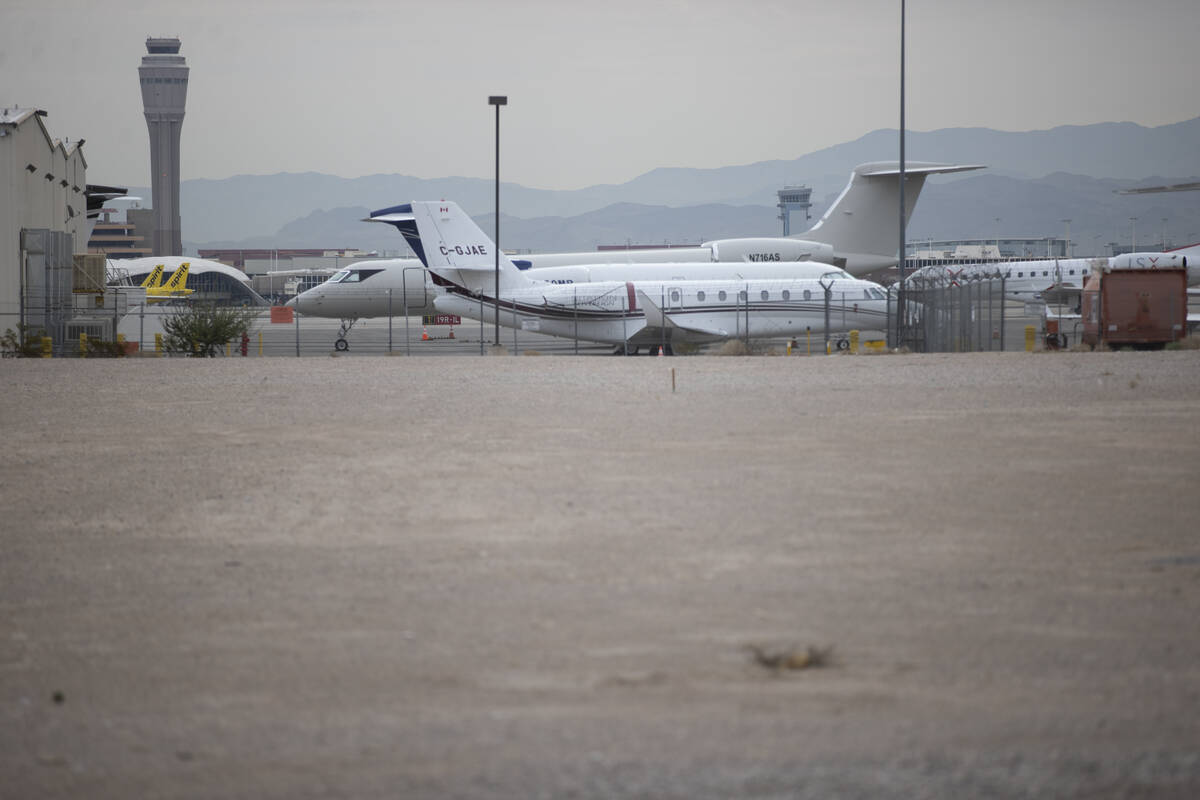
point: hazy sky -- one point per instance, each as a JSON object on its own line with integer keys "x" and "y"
{"x": 599, "y": 92}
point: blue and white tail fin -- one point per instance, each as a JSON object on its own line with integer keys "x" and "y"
{"x": 451, "y": 246}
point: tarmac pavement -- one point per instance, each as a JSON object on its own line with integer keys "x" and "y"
{"x": 546, "y": 577}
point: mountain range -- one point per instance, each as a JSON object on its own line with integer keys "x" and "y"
{"x": 1034, "y": 180}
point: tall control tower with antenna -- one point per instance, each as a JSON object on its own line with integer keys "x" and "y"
{"x": 164, "y": 78}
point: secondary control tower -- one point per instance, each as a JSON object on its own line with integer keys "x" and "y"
{"x": 164, "y": 78}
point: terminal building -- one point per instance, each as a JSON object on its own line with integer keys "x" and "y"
{"x": 974, "y": 251}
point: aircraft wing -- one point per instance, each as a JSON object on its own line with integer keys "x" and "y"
{"x": 657, "y": 320}
{"x": 1061, "y": 294}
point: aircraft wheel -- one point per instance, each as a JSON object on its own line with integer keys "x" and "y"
{"x": 341, "y": 345}
{"x": 843, "y": 344}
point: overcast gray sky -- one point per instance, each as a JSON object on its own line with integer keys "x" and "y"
{"x": 599, "y": 92}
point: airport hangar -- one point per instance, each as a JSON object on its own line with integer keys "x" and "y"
{"x": 46, "y": 199}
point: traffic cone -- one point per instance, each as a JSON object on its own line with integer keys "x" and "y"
{"x": 451, "y": 336}
{"x": 662, "y": 350}
{"x": 424, "y": 334}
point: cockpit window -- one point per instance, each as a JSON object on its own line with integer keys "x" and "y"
{"x": 354, "y": 275}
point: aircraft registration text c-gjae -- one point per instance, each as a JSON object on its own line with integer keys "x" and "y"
{"x": 467, "y": 250}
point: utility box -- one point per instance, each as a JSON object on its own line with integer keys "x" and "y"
{"x": 1135, "y": 306}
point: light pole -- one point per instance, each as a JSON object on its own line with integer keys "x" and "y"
{"x": 1067, "y": 246}
{"x": 900, "y": 295}
{"x": 497, "y": 101}
{"x": 1133, "y": 235}
{"x": 1164, "y": 234}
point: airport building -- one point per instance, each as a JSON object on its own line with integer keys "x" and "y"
{"x": 209, "y": 281}
{"x": 1001, "y": 248}
{"x": 43, "y": 183}
{"x": 122, "y": 230}
{"x": 164, "y": 79}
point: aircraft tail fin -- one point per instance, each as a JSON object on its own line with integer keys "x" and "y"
{"x": 451, "y": 246}
{"x": 154, "y": 279}
{"x": 178, "y": 279}
{"x": 863, "y": 225}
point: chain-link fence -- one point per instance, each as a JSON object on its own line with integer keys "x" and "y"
{"x": 945, "y": 315}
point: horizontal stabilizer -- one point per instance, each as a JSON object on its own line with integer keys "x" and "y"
{"x": 913, "y": 168}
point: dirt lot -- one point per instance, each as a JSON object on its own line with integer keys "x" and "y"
{"x": 540, "y": 577}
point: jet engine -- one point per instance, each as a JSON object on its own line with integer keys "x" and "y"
{"x": 770, "y": 249}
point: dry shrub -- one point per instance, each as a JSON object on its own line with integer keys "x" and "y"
{"x": 1186, "y": 343}
{"x": 733, "y": 347}
{"x": 791, "y": 658}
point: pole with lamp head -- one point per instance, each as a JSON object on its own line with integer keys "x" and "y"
{"x": 497, "y": 101}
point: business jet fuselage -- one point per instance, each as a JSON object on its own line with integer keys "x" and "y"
{"x": 649, "y": 312}
{"x": 1030, "y": 281}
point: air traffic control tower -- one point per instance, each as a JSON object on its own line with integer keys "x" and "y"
{"x": 164, "y": 77}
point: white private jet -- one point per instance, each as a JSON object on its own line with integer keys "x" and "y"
{"x": 1055, "y": 279}
{"x": 628, "y": 313}
{"x": 858, "y": 233}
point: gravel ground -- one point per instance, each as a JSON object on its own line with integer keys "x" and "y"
{"x": 543, "y": 577}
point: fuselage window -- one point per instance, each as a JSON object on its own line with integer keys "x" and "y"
{"x": 787, "y": 295}
{"x": 742, "y": 295}
{"x": 766, "y": 295}
{"x": 341, "y": 276}
{"x": 700, "y": 296}
{"x": 674, "y": 295}
{"x": 1072, "y": 272}
{"x": 1020, "y": 274}
{"x": 721, "y": 295}
{"x": 807, "y": 294}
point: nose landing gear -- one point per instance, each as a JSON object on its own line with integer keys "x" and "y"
{"x": 341, "y": 345}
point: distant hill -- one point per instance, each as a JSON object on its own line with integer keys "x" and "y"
{"x": 256, "y": 208}
{"x": 969, "y": 208}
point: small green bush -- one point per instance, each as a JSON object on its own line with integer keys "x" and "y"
{"x": 202, "y": 329}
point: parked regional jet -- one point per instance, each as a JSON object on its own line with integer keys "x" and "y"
{"x": 1059, "y": 278}
{"x": 631, "y": 313}
{"x": 859, "y": 231}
